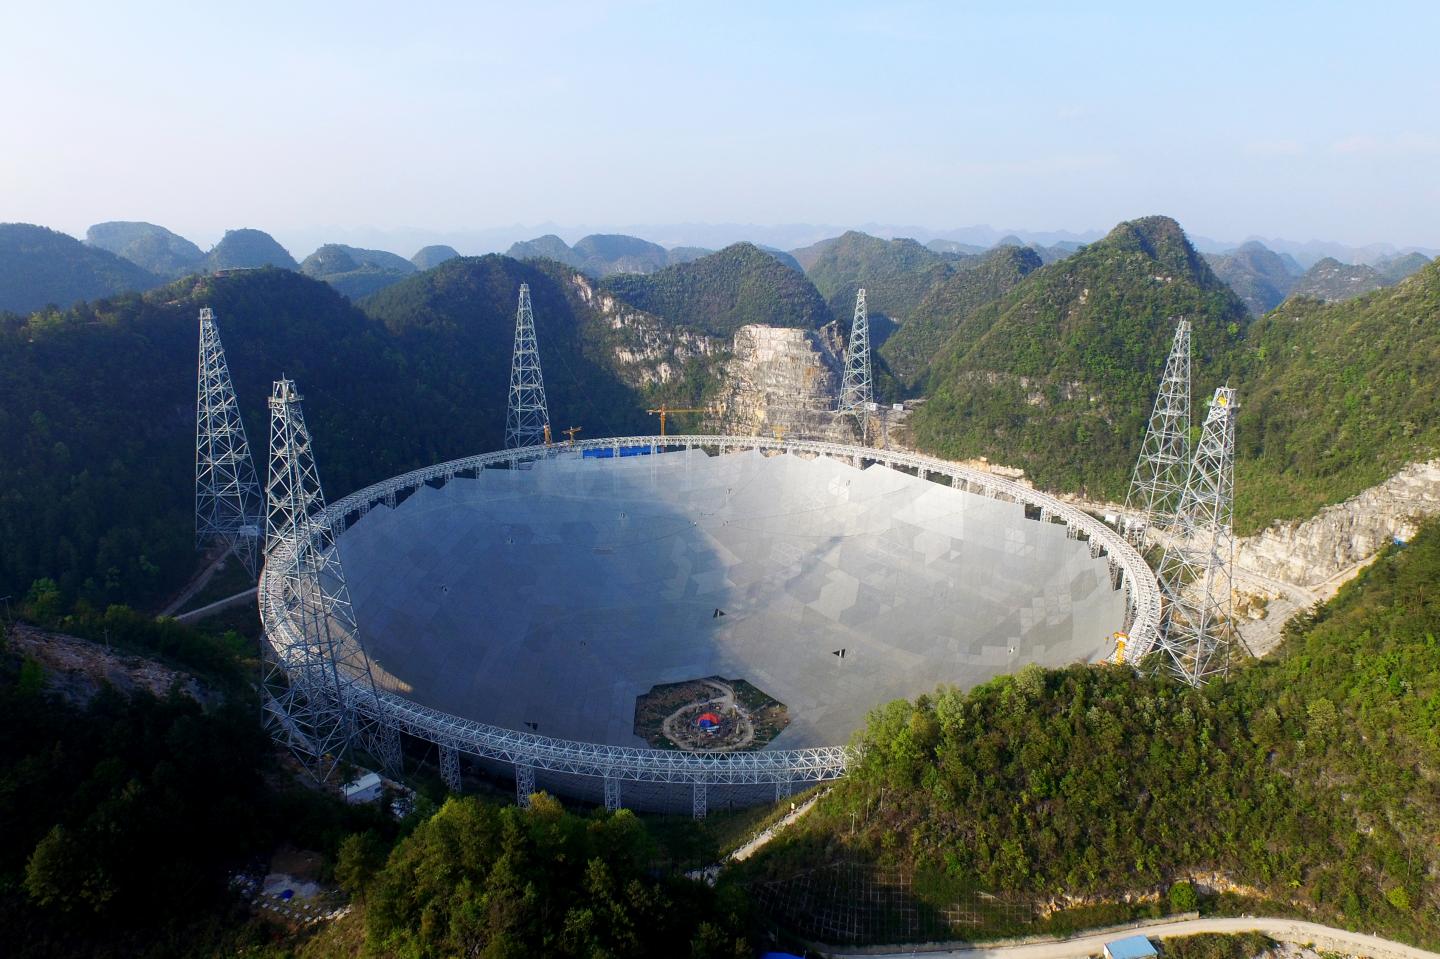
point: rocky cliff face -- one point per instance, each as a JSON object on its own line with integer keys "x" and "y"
{"x": 646, "y": 350}
{"x": 785, "y": 382}
{"x": 1340, "y": 536}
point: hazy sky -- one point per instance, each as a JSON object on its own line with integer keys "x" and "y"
{"x": 1300, "y": 120}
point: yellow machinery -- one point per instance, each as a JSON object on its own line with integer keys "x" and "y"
{"x": 1119, "y": 657}
{"x": 570, "y": 433}
{"x": 665, "y": 411}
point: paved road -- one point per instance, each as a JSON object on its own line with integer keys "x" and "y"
{"x": 1283, "y": 930}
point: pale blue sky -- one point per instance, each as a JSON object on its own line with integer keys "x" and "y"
{"x": 1302, "y": 121}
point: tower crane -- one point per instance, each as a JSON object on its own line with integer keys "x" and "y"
{"x": 665, "y": 411}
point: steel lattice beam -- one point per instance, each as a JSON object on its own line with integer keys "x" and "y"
{"x": 527, "y": 418}
{"x": 319, "y": 683}
{"x": 857, "y": 394}
{"x": 1158, "y": 482}
{"x": 227, "y": 492}
{"x": 1198, "y": 635}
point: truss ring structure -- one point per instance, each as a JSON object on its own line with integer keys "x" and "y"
{"x": 784, "y": 769}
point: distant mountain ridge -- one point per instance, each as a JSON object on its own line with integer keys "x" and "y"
{"x": 1331, "y": 281}
{"x": 248, "y": 249}
{"x": 600, "y": 255}
{"x": 1258, "y": 275}
{"x": 895, "y": 274}
{"x": 355, "y": 272}
{"x": 719, "y": 293}
{"x": 429, "y": 257}
{"x": 40, "y": 266}
{"x": 152, "y": 248}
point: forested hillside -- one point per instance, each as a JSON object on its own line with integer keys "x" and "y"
{"x": 1332, "y": 281}
{"x": 1057, "y": 376}
{"x": 1337, "y": 397}
{"x": 1309, "y": 777}
{"x": 895, "y": 274}
{"x": 721, "y": 292}
{"x": 40, "y": 267}
{"x": 949, "y": 304}
{"x": 1257, "y": 275}
{"x": 97, "y": 404}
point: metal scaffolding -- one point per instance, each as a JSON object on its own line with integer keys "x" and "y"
{"x": 527, "y": 419}
{"x": 857, "y": 395}
{"x": 1198, "y": 636}
{"x": 317, "y": 680}
{"x": 227, "y": 491}
{"x": 450, "y": 768}
{"x": 1160, "y": 472}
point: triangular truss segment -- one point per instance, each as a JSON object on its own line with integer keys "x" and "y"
{"x": 319, "y": 692}
{"x": 1198, "y": 638}
{"x": 1158, "y": 482}
{"x": 857, "y": 394}
{"x": 527, "y": 419}
{"x": 228, "y": 506}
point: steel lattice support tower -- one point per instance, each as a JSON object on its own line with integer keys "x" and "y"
{"x": 320, "y": 694}
{"x": 1197, "y": 634}
{"x": 527, "y": 419}
{"x": 1160, "y": 472}
{"x": 856, "y": 389}
{"x": 227, "y": 492}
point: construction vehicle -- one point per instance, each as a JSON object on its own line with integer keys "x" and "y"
{"x": 665, "y": 411}
{"x": 570, "y": 434}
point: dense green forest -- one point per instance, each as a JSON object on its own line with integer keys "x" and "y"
{"x": 909, "y": 350}
{"x": 125, "y": 816}
{"x": 1310, "y": 776}
{"x": 97, "y": 403}
{"x": 496, "y": 880}
{"x": 40, "y": 268}
{"x": 1057, "y": 375}
{"x": 1337, "y": 397}
{"x": 724, "y": 291}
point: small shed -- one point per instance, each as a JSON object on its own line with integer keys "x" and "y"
{"x": 1131, "y": 947}
{"x": 365, "y": 789}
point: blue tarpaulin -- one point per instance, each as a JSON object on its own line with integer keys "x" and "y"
{"x": 608, "y": 452}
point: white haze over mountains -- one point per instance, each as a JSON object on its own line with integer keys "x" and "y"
{"x": 785, "y": 236}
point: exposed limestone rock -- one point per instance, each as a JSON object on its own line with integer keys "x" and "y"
{"x": 785, "y": 382}
{"x": 1340, "y": 536}
{"x": 77, "y": 668}
{"x": 647, "y": 351}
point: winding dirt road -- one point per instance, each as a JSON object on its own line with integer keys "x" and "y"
{"x": 1283, "y": 930}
